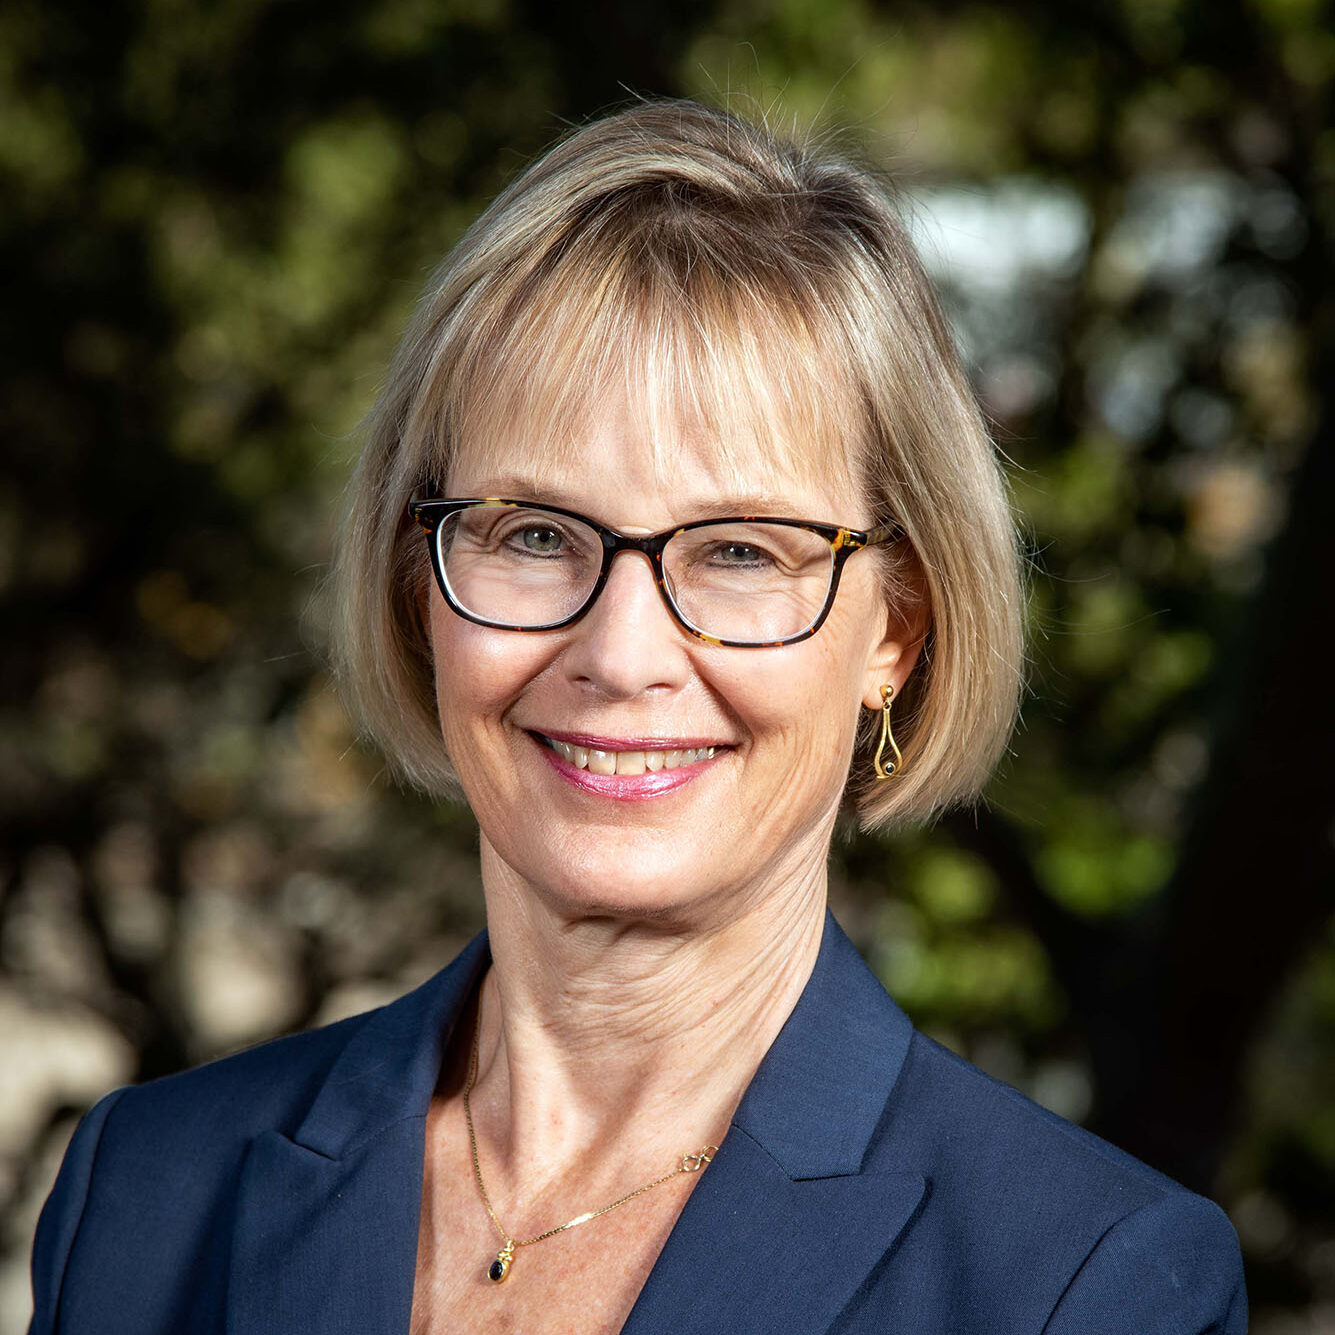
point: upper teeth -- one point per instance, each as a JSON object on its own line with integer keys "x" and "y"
{"x": 627, "y": 762}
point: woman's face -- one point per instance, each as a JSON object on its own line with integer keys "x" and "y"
{"x": 714, "y": 835}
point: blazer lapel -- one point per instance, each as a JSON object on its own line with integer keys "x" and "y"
{"x": 796, "y": 1208}
{"x": 325, "y": 1235}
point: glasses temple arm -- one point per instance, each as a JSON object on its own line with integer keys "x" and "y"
{"x": 883, "y": 533}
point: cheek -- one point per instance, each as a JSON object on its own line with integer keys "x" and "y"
{"x": 802, "y": 706}
{"x": 478, "y": 673}
{"x": 808, "y": 697}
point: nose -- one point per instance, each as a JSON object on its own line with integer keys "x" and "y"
{"x": 628, "y": 642}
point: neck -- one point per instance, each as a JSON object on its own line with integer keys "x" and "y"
{"x": 626, "y": 1035}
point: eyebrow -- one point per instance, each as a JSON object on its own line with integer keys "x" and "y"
{"x": 514, "y": 487}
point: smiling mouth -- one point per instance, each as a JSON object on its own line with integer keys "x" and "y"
{"x": 624, "y": 762}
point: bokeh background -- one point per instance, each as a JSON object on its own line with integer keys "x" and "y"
{"x": 216, "y": 217}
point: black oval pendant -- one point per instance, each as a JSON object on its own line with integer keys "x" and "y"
{"x": 498, "y": 1270}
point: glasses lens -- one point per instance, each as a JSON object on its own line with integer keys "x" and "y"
{"x": 755, "y": 582}
{"x": 518, "y": 566}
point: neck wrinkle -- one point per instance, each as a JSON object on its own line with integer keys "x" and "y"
{"x": 617, "y": 1049}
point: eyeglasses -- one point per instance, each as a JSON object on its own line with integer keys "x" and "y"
{"x": 748, "y": 583}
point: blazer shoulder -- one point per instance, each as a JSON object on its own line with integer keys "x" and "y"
{"x": 1002, "y": 1134}
{"x": 266, "y": 1086}
{"x": 1038, "y": 1201}
{"x": 179, "y": 1139}
{"x": 218, "y": 1108}
{"x": 1173, "y": 1266}
{"x": 62, "y": 1213}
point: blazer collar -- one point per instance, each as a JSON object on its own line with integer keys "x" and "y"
{"x": 330, "y": 1215}
{"x": 815, "y": 1098}
{"x": 389, "y": 1068}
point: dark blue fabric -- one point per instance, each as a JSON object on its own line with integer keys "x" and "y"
{"x": 871, "y": 1182}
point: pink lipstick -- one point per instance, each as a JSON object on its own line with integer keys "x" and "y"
{"x": 623, "y": 787}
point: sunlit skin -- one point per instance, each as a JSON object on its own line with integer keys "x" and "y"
{"x": 645, "y": 953}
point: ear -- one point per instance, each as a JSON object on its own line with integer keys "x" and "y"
{"x": 906, "y": 624}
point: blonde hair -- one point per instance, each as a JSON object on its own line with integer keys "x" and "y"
{"x": 763, "y": 291}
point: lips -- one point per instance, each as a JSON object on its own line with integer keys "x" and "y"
{"x": 625, "y": 769}
{"x": 624, "y": 757}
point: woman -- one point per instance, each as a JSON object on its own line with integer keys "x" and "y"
{"x": 676, "y": 530}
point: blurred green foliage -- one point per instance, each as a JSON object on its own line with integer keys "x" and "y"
{"x": 217, "y": 219}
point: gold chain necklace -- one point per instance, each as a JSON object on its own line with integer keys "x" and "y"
{"x": 500, "y": 1267}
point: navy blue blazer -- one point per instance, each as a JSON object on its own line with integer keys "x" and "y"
{"x": 871, "y": 1181}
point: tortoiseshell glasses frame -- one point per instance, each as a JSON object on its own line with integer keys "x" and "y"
{"x": 431, "y": 512}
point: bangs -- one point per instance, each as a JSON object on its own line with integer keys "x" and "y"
{"x": 698, "y": 353}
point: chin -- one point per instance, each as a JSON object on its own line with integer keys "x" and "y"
{"x": 617, "y": 879}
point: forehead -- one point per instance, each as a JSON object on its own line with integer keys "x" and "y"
{"x": 613, "y": 387}
{"x": 619, "y": 470}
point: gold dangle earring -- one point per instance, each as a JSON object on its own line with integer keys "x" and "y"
{"x": 884, "y": 771}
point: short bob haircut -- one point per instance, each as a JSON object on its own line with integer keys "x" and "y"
{"x": 763, "y": 295}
